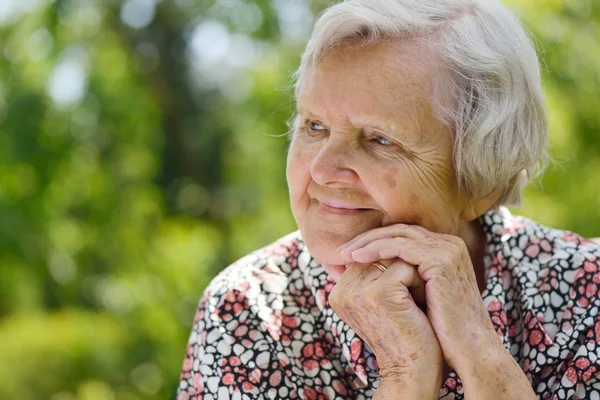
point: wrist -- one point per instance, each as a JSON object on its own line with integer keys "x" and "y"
{"x": 422, "y": 380}
{"x": 484, "y": 363}
{"x": 404, "y": 389}
{"x": 479, "y": 354}
{"x": 498, "y": 377}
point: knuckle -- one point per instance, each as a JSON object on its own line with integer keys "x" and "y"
{"x": 399, "y": 241}
{"x": 427, "y": 235}
{"x": 443, "y": 272}
{"x": 455, "y": 258}
{"x": 420, "y": 229}
{"x": 401, "y": 292}
{"x": 428, "y": 240}
{"x": 457, "y": 242}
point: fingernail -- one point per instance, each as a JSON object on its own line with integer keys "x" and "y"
{"x": 347, "y": 257}
{"x": 348, "y": 244}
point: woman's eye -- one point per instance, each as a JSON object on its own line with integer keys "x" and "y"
{"x": 382, "y": 140}
{"x": 315, "y": 126}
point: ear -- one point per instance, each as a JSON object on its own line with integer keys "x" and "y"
{"x": 476, "y": 207}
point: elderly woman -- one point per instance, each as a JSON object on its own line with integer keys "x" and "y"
{"x": 417, "y": 121}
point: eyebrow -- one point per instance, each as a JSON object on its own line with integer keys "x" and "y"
{"x": 383, "y": 128}
{"x": 391, "y": 129}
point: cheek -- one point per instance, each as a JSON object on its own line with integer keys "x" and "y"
{"x": 413, "y": 206}
{"x": 297, "y": 172}
{"x": 404, "y": 198}
{"x": 390, "y": 177}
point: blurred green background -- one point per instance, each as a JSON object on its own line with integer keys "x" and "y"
{"x": 139, "y": 155}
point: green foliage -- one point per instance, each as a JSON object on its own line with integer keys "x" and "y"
{"x": 60, "y": 351}
{"x": 138, "y": 157}
{"x": 567, "y": 35}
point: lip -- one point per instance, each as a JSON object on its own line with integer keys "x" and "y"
{"x": 334, "y": 207}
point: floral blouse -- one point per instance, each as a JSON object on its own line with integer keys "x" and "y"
{"x": 264, "y": 328}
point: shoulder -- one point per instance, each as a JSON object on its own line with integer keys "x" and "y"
{"x": 552, "y": 266}
{"x": 264, "y": 296}
{"x": 528, "y": 246}
{"x": 269, "y": 270}
{"x": 550, "y": 275}
{"x": 243, "y": 311}
{"x": 550, "y": 278}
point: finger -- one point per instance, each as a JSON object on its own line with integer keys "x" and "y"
{"x": 403, "y": 272}
{"x": 395, "y": 281}
{"x": 353, "y": 272}
{"x": 374, "y": 272}
{"x": 408, "y": 275}
{"x": 358, "y": 273}
{"x": 376, "y": 249}
{"x": 428, "y": 260}
{"x": 411, "y": 231}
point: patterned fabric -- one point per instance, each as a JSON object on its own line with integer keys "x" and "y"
{"x": 264, "y": 328}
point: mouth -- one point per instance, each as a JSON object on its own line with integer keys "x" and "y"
{"x": 332, "y": 207}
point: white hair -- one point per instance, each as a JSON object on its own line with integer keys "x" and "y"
{"x": 497, "y": 113}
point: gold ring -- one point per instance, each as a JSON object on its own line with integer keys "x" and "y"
{"x": 379, "y": 265}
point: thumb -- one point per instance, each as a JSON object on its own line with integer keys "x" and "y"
{"x": 402, "y": 286}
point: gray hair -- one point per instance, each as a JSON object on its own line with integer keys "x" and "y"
{"x": 497, "y": 113}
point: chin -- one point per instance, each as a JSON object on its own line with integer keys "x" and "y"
{"x": 324, "y": 253}
{"x": 322, "y": 247}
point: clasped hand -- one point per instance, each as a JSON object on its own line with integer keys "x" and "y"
{"x": 381, "y": 307}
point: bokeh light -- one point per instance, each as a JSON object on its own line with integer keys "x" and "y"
{"x": 141, "y": 152}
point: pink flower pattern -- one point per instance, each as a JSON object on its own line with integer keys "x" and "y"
{"x": 264, "y": 328}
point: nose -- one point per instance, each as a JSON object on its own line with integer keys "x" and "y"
{"x": 334, "y": 164}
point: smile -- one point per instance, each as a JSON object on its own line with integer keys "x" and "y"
{"x": 340, "y": 209}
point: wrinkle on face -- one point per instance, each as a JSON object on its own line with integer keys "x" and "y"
{"x": 355, "y": 94}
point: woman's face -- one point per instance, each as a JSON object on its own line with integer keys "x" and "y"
{"x": 367, "y": 151}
